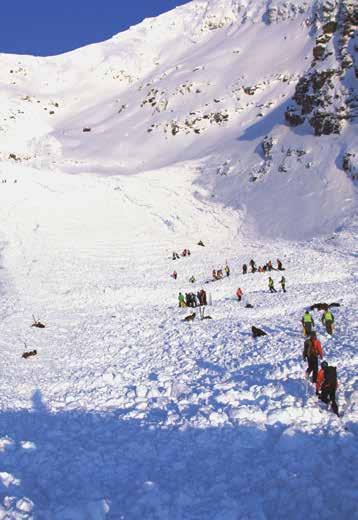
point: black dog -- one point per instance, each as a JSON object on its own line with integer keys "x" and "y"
{"x": 28, "y": 354}
{"x": 191, "y": 317}
{"x": 257, "y": 332}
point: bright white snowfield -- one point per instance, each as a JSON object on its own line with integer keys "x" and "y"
{"x": 127, "y": 412}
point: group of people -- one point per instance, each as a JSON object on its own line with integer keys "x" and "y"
{"x": 262, "y": 268}
{"x": 218, "y": 274}
{"x": 271, "y": 284}
{"x": 192, "y": 300}
{"x": 185, "y": 252}
{"x": 325, "y": 379}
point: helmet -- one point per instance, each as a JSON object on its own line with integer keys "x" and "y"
{"x": 324, "y": 364}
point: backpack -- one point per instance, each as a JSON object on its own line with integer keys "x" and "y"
{"x": 330, "y": 378}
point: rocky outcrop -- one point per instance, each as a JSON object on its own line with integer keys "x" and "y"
{"x": 326, "y": 96}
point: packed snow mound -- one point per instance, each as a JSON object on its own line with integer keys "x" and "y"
{"x": 236, "y": 88}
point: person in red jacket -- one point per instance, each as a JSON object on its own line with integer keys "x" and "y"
{"x": 326, "y": 385}
{"x": 239, "y": 294}
{"x": 312, "y": 350}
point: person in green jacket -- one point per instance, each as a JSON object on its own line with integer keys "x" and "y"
{"x": 271, "y": 285}
{"x": 181, "y": 300}
{"x": 308, "y": 323}
{"x": 328, "y": 320}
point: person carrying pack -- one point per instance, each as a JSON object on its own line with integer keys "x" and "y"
{"x": 244, "y": 269}
{"x": 308, "y": 323}
{"x": 311, "y": 351}
{"x": 326, "y": 385}
{"x": 227, "y": 270}
{"x": 328, "y": 320}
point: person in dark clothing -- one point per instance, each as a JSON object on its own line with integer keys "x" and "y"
{"x": 175, "y": 255}
{"x": 253, "y": 266}
{"x": 326, "y": 385}
{"x": 200, "y": 243}
{"x": 308, "y": 323}
{"x": 203, "y": 297}
{"x": 269, "y": 265}
{"x": 227, "y": 270}
{"x": 283, "y": 283}
{"x": 244, "y": 269}
{"x": 174, "y": 275}
{"x": 279, "y": 264}
{"x": 311, "y": 351}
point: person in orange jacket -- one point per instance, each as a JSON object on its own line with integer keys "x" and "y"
{"x": 239, "y": 294}
{"x": 326, "y": 385}
{"x": 312, "y": 350}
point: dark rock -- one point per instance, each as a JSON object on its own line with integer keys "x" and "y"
{"x": 86, "y": 129}
{"x": 293, "y": 118}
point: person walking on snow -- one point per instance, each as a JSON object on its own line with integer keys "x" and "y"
{"x": 239, "y": 294}
{"x": 326, "y": 385}
{"x": 244, "y": 269}
{"x": 181, "y": 300}
{"x": 308, "y": 323}
{"x": 283, "y": 283}
{"x": 174, "y": 275}
{"x": 328, "y": 320}
{"x": 271, "y": 285}
{"x": 311, "y": 351}
{"x": 227, "y": 270}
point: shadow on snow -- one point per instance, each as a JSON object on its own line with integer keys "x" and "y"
{"x": 78, "y": 460}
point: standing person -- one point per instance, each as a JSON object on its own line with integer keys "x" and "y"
{"x": 252, "y": 265}
{"x": 215, "y": 276}
{"x": 311, "y": 351}
{"x": 227, "y": 270}
{"x": 307, "y": 323}
{"x": 283, "y": 283}
{"x": 203, "y": 297}
{"x": 174, "y": 275}
{"x": 244, "y": 269}
{"x": 239, "y": 294}
{"x": 328, "y": 320}
{"x": 271, "y": 285}
{"x": 269, "y": 265}
{"x": 279, "y": 264}
{"x": 181, "y": 300}
{"x": 326, "y": 385}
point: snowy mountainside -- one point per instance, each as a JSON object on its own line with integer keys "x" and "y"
{"x": 212, "y": 83}
{"x": 112, "y": 157}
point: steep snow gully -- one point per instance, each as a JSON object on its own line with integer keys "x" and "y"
{"x": 111, "y": 158}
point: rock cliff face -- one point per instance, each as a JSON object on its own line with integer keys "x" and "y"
{"x": 326, "y": 95}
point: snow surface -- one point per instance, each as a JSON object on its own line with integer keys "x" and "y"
{"x": 127, "y": 412}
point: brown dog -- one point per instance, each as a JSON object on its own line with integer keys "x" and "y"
{"x": 28, "y": 354}
{"x": 191, "y": 317}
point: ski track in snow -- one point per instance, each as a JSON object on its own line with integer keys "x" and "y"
{"x": 129, "y": 413}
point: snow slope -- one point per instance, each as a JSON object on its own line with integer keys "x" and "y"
{"x": 206, "y": 82}
{"x": 126, "y": 411}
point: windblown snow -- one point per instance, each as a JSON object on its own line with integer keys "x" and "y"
{"x": 112, "y": 157}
